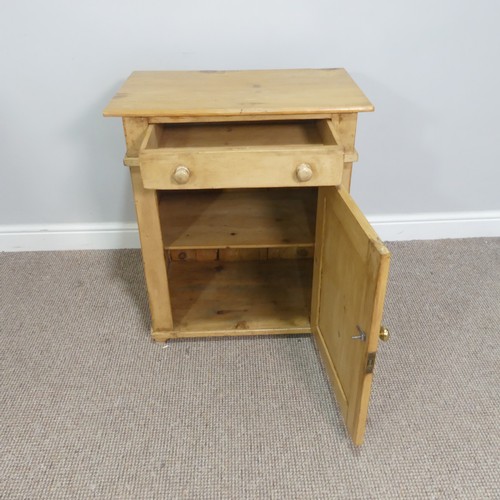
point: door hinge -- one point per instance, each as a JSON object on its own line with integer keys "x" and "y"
{"x": 370, "y": 362}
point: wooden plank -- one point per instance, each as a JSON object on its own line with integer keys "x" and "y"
{"x": 232, "y": 93}
{"x": 146, "y": 206}
{"x": 350, "y": 278}
{"x": 238, "y": 218}
{"x": 239, "y": 254}
{"x": 163, "y": 336}
{"x": 184, "y": 254}
{"x": 223, "y": 254}
{"x": 242, "y": 254}
{"x": 234, "y": 297}
{"x": 207, "y": 254}
{"x": 291, "y": 253}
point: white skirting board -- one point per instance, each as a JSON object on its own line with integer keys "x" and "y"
{"x": 437, "y": 226}
{"x": 39, "y": 237}
{"x": 109, "y": 235}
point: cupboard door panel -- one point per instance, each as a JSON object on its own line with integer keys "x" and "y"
{"x": 350, "y": 277}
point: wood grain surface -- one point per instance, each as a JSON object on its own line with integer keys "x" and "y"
{"x": 257, "y": 92}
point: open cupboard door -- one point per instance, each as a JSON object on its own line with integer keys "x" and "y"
{"x": 351, "y": 267}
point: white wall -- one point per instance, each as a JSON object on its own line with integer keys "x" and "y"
{"x": 431, "y": 67}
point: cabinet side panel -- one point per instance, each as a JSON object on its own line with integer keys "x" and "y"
{"x": 346, "y": 125}
{"x": 134, "y": 129}
{"x": 148, "y": 219}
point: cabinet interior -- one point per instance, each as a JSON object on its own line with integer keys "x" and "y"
{"x": 239, "y": 259}
{"x": 239, "y": 134}
{"x": 238, "y": 218}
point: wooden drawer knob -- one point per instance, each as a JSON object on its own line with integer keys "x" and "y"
{"x": 181, "y": 174}
{"x": 304, "y": 172}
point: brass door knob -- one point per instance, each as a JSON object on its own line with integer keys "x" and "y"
{"x": 384, "y": 334}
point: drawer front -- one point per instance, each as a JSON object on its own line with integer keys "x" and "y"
{"x": 232, "y": 158}
{"x": 231, "y": 169}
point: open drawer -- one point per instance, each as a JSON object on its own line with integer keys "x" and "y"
{"x": 243, "y": 154}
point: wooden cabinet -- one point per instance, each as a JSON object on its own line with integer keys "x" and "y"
{"x": 241, "y": 185}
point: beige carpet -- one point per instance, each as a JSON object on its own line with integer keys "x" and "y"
{"x": 91, "y": 408}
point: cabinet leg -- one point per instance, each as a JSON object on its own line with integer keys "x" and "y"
{"x": 153, "y": 256}
{"x": 346, "y": 176}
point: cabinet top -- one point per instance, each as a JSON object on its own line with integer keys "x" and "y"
{"x": 244, "y": 93}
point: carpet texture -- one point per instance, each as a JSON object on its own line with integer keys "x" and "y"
{"x": 91, "y": 408}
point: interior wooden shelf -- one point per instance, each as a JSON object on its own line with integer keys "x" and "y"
{"x": 237, "y": 297}
{"x": 243, "y": 218}
{"x": 208, "y": 135}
